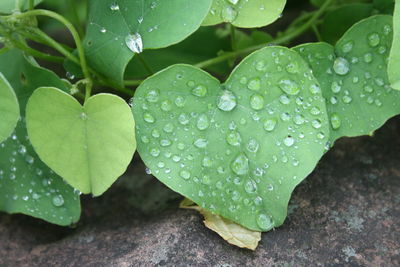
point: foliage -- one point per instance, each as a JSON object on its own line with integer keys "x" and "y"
{"x": 236, "y": 148}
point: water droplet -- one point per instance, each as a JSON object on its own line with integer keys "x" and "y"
{"x": 250, "y": 186}
{"x": 207, "y": 162}
{"x": 269, "y": 125}
{"x": 368, "y": 58}
{"x": 347, "y": 99}
{"x": 335, "y": 121}
{"x": 166, "y": 105}
{"x": 226, "y": 101}
{"x": 58, "y": 201}
{"x": 316, "y": 124}
{"x": 347, "y": 47}
{"x": 199, "y": 91}
{"x": 114, "y": 7}
{"x": 185, "y": 174}
{"x": 165, "y": 142}
{"x": 292, "y": 67}
{"x": 240, "y": 165}
{"x": 201, "y": 143}
{"x": 290, "y": 87}
{"x": 336, "y": 87}
{"x": 288, "y": 141}
{"x": 152, "y": 96}
{"x": 233, "y": 138}
{"x": 265, "y": 222}
{"x": 183, "y": 119}
{"x": 203, "y": 122}
{"x": 254, "y": 84}
{"x": 168, "y": 128}
{"x": 341, "y": 66}
{"x": 374, "y": 39}
{"x": 298, "y": 119}
{"x": 252, "y": 146}
{"x": 148, "y": 118}
{"x": 229, "y": 14}
{"x": 233, "y": 2}
{"x": 134, "y": 42}
{"x": 257, "y": 101}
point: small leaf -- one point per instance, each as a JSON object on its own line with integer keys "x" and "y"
{"x": 89, "y": 146}
{"x": 9, "y": 6}
{"x": 9, "y": 108}
{"x": 225, "y": 146}
{"x": 231, "y": 232}
{"x": 245, "y": 14}
{"x": 354, "y": 79}
{"x": 117, "y": 29}
{"x": 27, "y": 185}
{"x": 394, "y": 58}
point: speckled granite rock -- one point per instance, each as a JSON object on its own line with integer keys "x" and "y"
{"x": 345, "y": 214}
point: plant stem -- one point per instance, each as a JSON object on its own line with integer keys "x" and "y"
{"x": 37, "y": 53}
{"x": 31, "y": 4}
{"x": 75, "y": 36}
{"x": 145, "y": 64}
{"x": 132, "y": 82}
{"x": 280, "y": 40}
{"x": 75, "y": 16}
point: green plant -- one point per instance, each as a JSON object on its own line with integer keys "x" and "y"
{"x": 237, "y": 148}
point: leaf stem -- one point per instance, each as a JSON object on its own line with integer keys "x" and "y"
{"x": 233, "y": 37}
{"x": 145, "y": 64}
{"x": 280, "y": 40}
{"x": 132, "y": 82}
{"x": 75, "y": 36}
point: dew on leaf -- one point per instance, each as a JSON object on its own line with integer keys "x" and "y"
{"x": 233, "y": 138}
{"x": 202, "y": 122}
{"x": 152, "y": 96}
{"x": 341, "y": 66}
{"x": 254, "y": 84}
{"x": 288, "y": 141}
{"x": 257, "y": 101}
{"x": 240, "y": 165}
{"x": 264, "y": 222}
{"x": 58, "y": 200}
{"x": 269, "y": 125}
{"x": 199, "y": 91}
{"x": 226, "y": 101}
{"x": 374, "y": 39}
{"x": 250, "y": 186}
{"x": 335, "y": 121}
{"x": 229, "y": 14}
{"x": 134, "y": 42}
{"x": 289, "y": 86}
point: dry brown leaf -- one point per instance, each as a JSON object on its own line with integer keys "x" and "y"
{"x": 233, "y": 233}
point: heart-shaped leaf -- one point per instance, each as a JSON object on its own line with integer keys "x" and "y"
{"x": 90, "y": 146}
{"x": 27, "y": 185}
{"x": 9, "y": 6}
{"x": 9, "y": 108}
{"x": 244, "y": 13}
{"x": 394, "y": 58}
{"x": 117, "y": 29}
{"x": 354, "y": 79}
{"x": 236, "y": 149}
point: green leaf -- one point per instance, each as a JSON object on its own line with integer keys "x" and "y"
{"x": 90, "y": 146}
{"x": 140, "y": 24}
{"x": 9, "y": 108}
{"x": 245, "y": 14}
{"x": 225, "y": 146}
{"x": 394, "y": 58}
{"x": 348, "y": 15}
{"x": 9, "y": 6}
{"x": 27, "y": 185}
{"x": 353, "y": 77}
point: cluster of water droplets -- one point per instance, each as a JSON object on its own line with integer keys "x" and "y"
{"x": 24, "y": 179}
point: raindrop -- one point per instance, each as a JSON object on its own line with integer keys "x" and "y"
{"x": 199, "y": 91}
{"x": 374, "y": 39}
{"x": 253, "y": 146}
{"x": 335, "y": 121}
{"x": 341, "y": 66}
{"x": 240, "y": 165}
{"x": 257, "y": 101}
{"x": 290, "y": 87}
{"x": 201, "y": 143}
{"x": 347, "y": 47}
{"x": 148, "y": 118}
{"x": 264, "y": 222}
{"x": 58, "y": 201}
{"x": 229, "y": 14}
{"x": 134, "y": 43}
{"x": 233, "y": 138}
{"x": 288, "y": 141}
{"x": 152, "y": 96}
{"x": 185, "y": 174}
{"x": 269, "y": 125}
{"x": 250, "y": 186}
{"x": 227, "y": 101}
{"x": 114, "y": 7}
{"x": 203, "y": 122}
{"x": 254, "y": 84}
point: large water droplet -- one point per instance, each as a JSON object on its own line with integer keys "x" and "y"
{"x": 152, "y": 96}
{"x": 374, "y": 39}
{"x": 226, "y": 101}
{"x": 288, "y": 141}
{"x": 201, "y": 143}
{"x": 250, "y": 186}
{"x": 257, "y": 101}
{"x": 347, "y": 47}
{"x": 253, "y": 146}
{"x": 200, "y": 91}
{"x": 114, "y": 7}
{"x": 233, "y": 138}
{"x": 335, "y": 121}
{"x": 240, "y": 165}
{"x": 341, "y": 66}
{"x": 185, "y": 174}
{"x": 148, "y": 118}
{"x": 58, "y": 200}
{"x": 290, "y": 87}
{"x": 229, "y": 14}
{"x": 134, "y": 43}
{"x": 203, "y": 122}
{"x": 254, "y": 84}
{"x": 265, "y": 222}
{"x": 269, "y": 125}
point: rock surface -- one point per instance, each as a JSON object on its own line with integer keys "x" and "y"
{"x": 346, "y": 213}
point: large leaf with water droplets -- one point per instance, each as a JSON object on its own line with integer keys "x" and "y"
{"x": 27, "y": 185}
{"x": 9, "y": 108}
{"x": 394, "y": 58}
{"x": 225, "y": 146}
{"x": 245, "y": 14}
{"x": 117, "y": 29}
{"x": 354, "y": 79}
{"x": 9, "y": 6}
{"x": 90, "y": 146}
